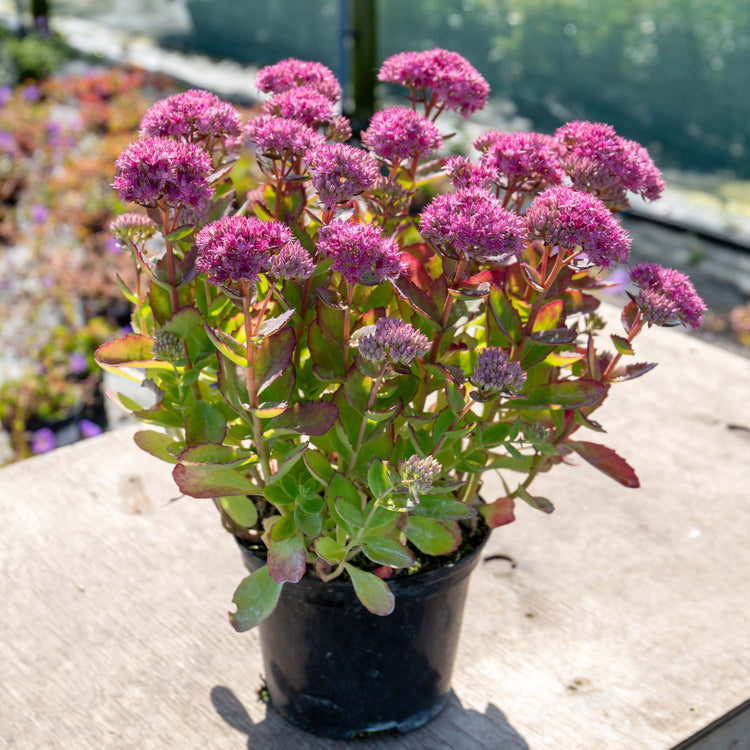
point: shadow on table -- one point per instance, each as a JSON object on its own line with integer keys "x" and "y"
{"x": 455, "y": 728}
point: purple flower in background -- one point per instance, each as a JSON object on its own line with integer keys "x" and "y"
{"x": 125, "y": 330}
{"x": 571, "y": 219}
{"x": 276, "y": 137}
{"x": 292, "y": 73}
{"x": 292, "y": 262}
{"x": 398, "y": 133}
{"x": 31, "y": 93}
{"x": 236, "y": 248}
{"x": 158, "y": 168}
{"x": 7, "y": 142}
{"x": 529, "y": 160}
{"x": 89, "y": 429}
{"x": 361, "y": 253}
{"x": 494, "y": 372}
{"x": 39, "y": 213}
{"x": 454, "y": 81}
{"x": 43, "y": 441}
{"x": 600, "y": 162}
{"x": 472, "y": 224}
{"x": 77, "y": 363}
{"x": 303, "y": 104}
{"x": 340, "y": 172}
{"x": 339, "y": 129}
{"x": 393, "y": 341}
{"x": 5, "y": 93}
{"x": 194, "y": 115}
{"x": 667, "y": 297}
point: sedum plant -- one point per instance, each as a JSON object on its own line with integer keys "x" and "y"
{"x": 338, "y": 371}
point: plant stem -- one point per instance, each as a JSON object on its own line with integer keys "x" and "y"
{"x": 447, "y": 305}
{"x": 252, "y": 394}
{"x": 363, "y": 424}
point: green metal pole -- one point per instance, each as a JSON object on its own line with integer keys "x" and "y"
{"x": 364, "y": 62}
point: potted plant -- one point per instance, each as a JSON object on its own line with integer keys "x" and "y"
{"x": 338, "y": 373}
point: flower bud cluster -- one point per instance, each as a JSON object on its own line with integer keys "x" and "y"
{"x": 132, "y": 227}
{"x": 167, "y": 346}
{"x": 420, "y": 473}
{"x": 494, "y": 373}
{"x": 666, "y": 296}
{"x": 393, "y": 342}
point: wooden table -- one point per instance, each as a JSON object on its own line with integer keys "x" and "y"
{"x": 624, "y": 624}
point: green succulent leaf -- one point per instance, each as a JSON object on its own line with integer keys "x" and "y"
{"x": 433, "y": 537}
{"x": 241, "y": 509}
{"x": 306, "y": 417}
{"x": 622, "y": 345}
{"x": 183, "y": 322}
{"x": 505, "y": 315}
{"x": 330, "y": 549}
{"x": 372, "y": 591}
{"x": 568, "y": 393}
{"x": 445, "y": 508}
{"x": 377, "y": 478}
{"x": 256, "y": 598}
{"x": 538, "y": 503}
{"x": 157, "y": 444}
{"x": 133, "y": 350}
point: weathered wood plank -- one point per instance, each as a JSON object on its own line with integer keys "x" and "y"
{"x": 623, "y": 625}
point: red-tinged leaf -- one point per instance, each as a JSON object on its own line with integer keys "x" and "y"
{"x": 130, "y": 351}
{"x": 568, "y": 393}
{"x": 307, "y": 417}
{"x": 499, "y": 513}
{"x": 418, "y": 299}
{"x": 330, "y": 319}
{"x": 536, "y": 502}
{"x": 595, "y": 370}
{"x": 271, "y": 325}
{"x": 555, "y": 336}
{"x": 622, "y": 345}
{"x": 577, "y": 302}
{"x": 629, "y": 372}
{"x": 227, "y": 345}
{"x": 372, "y": 591}
{"x": 505, "y": 315}
{"x": 231, "y": 387}
{"x": 533, "y": 277}
{"x": 157, "y": 444}
{"x": 550, "y": 316}
{"x": 433, "y": 537}
{"x": 212, "y": 453}
{"x": 629, "y": 315}
{"x": 286, "y": 559}
{"x": 209, "y": 480}
{"x": 256, "y": 598}
{"x": 607, "y": 461}
{"x": 273, "y": 356}
{"x": 383, "y": 571}
{"x": 563, "y": 358}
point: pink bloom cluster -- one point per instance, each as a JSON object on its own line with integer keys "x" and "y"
{"x": 562, "y": 216}
{"x": 291, "y": 73}
{"x": 398, "y": 133}
{"x": 528, "y": 160}
{"x": 279, "y": 138}
{"x": 360, "y": 252}
{"x": 194, "y": 116}
{"x": 667, "y": 296}
{"x": 158, "y": 168}
{"x": 454, "y": 81}
{"x": 494, "y": 373}
{"x": 472, "y": 224}
{"x": 599, "y": 161}
{"x": 132, "y": 227}
{"x": 292, "y": 262}
{"x": 393, "y": 342}
{"x": 340, "y": 172}
{"x": 237, "y": 248}
{"x": 303, "y": 104}
{"x": 464, "y": 173}
{"x": 339, "y": 129}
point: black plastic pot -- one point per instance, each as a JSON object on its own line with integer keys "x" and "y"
{"x": 337, "y": 670}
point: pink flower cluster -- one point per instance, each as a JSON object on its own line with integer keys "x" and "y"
{"x": 472, "y": 224}
{"x": 161, "y": 169}
{"x": 398, "y": 133}
{"x": 454, "y": 81}
{"x": 340, "y": 172}
{"x": 303, "y": 104}
{"x": 237, "y": 248}
{"x": 361, "y": 253}
{"x": 570, "y": 219}
{"x": 464, "y": 173}
{"x": 666, "y": 296}
{"x": 279, "y": 138}
{"x": 194, "y": 116}
{"x": 340, "y": 129}
{"x": 525, "y": 160}
{"x": 393, "y": 342}
{"x": 494, "y": 373}
{"x": 599, "y": 161}
{"x": 291, "y": 73}
{"x": 292, "y": 262}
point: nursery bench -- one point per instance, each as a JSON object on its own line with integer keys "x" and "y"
{"x": 621, "y": 621}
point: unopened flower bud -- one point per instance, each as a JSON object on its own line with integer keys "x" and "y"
{"x": 167, "y": 346}
{"x": 494, "y": 373}
{"x": 421, "y": 473}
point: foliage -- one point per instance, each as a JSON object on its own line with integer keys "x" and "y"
{"x": 340, "y": 406}
{"x": 34, "y": 55}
